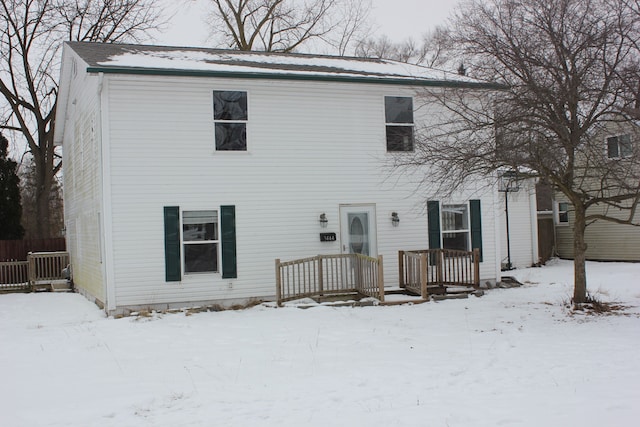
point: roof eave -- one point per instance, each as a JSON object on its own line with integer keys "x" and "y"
{"x": 300, "y": 77}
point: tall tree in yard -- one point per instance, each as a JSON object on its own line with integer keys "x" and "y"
{"x": 286, "y": 25}
{"x": 10, "y": 207}
{"x": 31, "y": 36}
{"x": 570, "y": 71}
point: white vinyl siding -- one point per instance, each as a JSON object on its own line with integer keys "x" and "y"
{"x": 314, "y": 146}
{"x": 606, "y": 241}
{"x": 82, "y": 186}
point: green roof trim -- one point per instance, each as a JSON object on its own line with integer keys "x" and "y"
{"x": 299, "y": 77}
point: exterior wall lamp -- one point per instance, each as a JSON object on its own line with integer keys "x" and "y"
{"x": 323, "y": 220}
{"x": 395, "y": 220}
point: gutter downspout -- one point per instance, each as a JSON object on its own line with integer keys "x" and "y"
{"x": 105, "y": 187}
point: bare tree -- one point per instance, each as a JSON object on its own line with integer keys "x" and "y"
{"x": 31, "y": 34}
{"x": 569, "y": 73}
{"x": 432, "y": 51}
{"x": 285, "y": 25}
{"x": 352, "y": 18}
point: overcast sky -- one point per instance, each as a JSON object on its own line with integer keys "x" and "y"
{"x": 398, "y": 19}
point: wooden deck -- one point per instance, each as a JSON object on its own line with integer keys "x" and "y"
{"x": 434, "y": 270}
{"x": 326, "y": 275}
{"x": 41, "y": 271}
{"x": 337, "y": 278}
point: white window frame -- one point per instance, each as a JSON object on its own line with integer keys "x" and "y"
{"x": 558, "y": 212}
{"x": 184, "y": 243}
{"x": 466, "y": 230}
{"x": 411, "y": 125}
{"x": 617, "y": 136}
{"x": 222, "y": 121}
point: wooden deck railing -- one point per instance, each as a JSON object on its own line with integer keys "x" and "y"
{"x": 422, "y": 268}
{"x": 14, "y": 275}
{"x": 47, "y": 266}
{"x": 39, "y": 268}
{"x": 329, "y": 274}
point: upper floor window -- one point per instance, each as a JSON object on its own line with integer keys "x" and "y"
{"x": 230, "y": 116}
{"x": 619, "y": 146}
{"x": 398, "y": 111}
{"x": 455, "y": 227}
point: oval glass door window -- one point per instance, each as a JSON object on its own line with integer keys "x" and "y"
{"x": 359, "y": 233}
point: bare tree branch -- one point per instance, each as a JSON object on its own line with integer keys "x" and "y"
{"x": 571, "y": 77}
{"x": 31, "y": 35}
{"x": 286, "y": 25}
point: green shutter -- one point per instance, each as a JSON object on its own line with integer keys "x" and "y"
{"x": 476, "y": 225}
{"x": 228, "y": 240}
{"x": 433, "y": 216}
{"x": 172, "y": 243}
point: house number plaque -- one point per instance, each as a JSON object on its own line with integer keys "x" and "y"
{"x": 328, "y": 237}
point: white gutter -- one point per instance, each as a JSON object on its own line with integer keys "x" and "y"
{"x": 107, "y": 217}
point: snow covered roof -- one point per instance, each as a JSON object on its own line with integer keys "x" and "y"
{"x": 192, "y": 61}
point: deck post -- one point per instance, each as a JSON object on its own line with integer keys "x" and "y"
{"x": 439, "y": 266}
{"x": 32, "y": 269}
{"x": 278, "y": 284}
{"x": 380, "y": 278}
{"x": 320, "y": 276}
{"x": 423, "y": 276}
{"x": 476, "y": 267}
{"x": 401, "y": 269}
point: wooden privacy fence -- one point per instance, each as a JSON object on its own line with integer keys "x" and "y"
{"x": 329, "y": 274}
{"x": 40, "y": 268}
{"x": 438, "y": 267}
{"x": 17, "y": 250}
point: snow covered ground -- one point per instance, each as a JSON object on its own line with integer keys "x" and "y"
{"x": 515, "y": 357}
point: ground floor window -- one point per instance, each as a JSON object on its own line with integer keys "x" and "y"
{"x": 455, "y": 227}
{"x": 563, "y": 213}
{"x": 200, "y": 241}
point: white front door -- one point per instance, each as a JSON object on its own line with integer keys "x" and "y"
{"x": 358, "y": 229}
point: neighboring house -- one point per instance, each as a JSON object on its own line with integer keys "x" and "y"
{"x": 606, "y": 240}
{"x": 189, "y": 171}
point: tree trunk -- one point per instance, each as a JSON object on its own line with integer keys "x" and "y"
{"x": 579, "y": 256}
{"x": 43, "y": 159}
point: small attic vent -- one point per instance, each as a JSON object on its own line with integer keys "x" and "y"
{"x": 74, "y": 67}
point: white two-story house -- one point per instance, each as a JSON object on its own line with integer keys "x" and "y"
{"x": 188, "y": 171}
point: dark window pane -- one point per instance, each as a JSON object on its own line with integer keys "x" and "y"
{"x": 228, "y": 105}
{"x": 398, "y": 109}
{"x": 199, "y": 232}
{"x": 231, "y": 137}
{"x": 200, "y": 258}
{"x": 399, "y": 138}
{"x": 612, "y": 147}
{"x": 624, "y": 145}
{"x": 563, "y": 214}
{"x": 455, "y": 241}
{"x": 199, "y": 225}
{"x": 454, "y": 217}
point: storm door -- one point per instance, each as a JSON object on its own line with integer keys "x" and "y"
{"x": 358, "y": 229}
